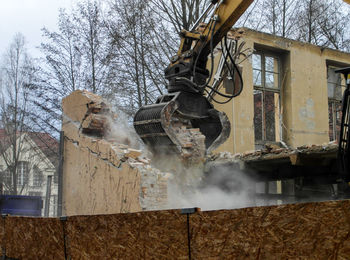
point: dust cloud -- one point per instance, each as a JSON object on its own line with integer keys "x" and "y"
{"x": 219, "y": 188}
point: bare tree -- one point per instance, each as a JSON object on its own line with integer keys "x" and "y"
{"x": 272, "y": 16}
{"x": 93, "y": 44}
{"x": 142, "y": 54}
{"x": 76, "y": 56}
{"x": 180, "y": 14}
{"x": 333, "y": 25}
{"x": 17, "y": 74}
{"x": 62, "y": 57}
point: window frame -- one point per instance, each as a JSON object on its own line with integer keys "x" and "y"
{"x": 263, "y": 89}
{"x": 263, "y": 55}
{"x": 333, "y": 103}
{"x": 36, "y": 172}
{"x": 22, "y": 175}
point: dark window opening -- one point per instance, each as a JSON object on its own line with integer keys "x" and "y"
{"x": 335, "y": 87}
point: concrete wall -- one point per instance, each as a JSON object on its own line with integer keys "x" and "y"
{"x": 100, "y": 174}
{"x": 304, "y": 99}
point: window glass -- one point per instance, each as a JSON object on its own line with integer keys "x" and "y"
{"x": 22, "y": 173}
{"x": 270, "y": 113}
{"x": 336, "y": 84}
{"x": 38, "y": 177}
{"x": 270, "y": 64}
{"x": 334, "y": 115}
{"x": 257, "y": 78}
{"x": 257, "y": 61}
{"x": 270, "y": 80}
{"x": 258, "y": 115}
{"x": 8, "y": 177}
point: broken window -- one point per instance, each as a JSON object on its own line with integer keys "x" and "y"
{"x": 266, "y": 80}
{"x": 336, "y": 87}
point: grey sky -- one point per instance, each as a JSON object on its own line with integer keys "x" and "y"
{"x": 28, "y": 17}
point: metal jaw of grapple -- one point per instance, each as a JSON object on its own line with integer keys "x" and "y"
{"x": 157, "y": 124}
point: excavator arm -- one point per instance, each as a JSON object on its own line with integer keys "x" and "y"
{"x": 186, "y": 106}
{"x": 164, "y": 125}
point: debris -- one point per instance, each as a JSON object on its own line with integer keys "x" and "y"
{"x": 133, "y": 153}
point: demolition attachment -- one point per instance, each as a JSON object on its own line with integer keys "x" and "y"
{"x": 159, "y": 125}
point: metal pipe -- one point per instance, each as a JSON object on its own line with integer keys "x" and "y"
{"x": 48, "y": 196}
{"x": 60, "y": 175}
{"x": 201, "y": 17}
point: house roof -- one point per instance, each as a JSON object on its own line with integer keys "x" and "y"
{"x": 44, "y": 141}
{"x": 47, "y": 144}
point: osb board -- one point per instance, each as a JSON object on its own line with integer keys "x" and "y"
{"x": 144, "y": 235}
{"x": 300, "y": 231}
{"x": 2, "y": 234}
{"x": 34, "y": 238}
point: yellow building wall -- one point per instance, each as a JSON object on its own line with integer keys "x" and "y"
{"x": 304, "y": 98}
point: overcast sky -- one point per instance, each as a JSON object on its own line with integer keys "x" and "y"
{"x": 28, "y": 17}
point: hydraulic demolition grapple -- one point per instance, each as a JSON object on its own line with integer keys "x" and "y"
{"x": 186, "y": 105}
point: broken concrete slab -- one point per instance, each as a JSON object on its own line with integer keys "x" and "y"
{"x": 81, "y": 103}
{"x": 311, "y": 162}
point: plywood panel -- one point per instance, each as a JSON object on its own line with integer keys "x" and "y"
{"x": 146, "y": 235}
{"x": 300, "y": 231}
{"x": 309, "y": 230}
{"x": 2, "y": 234}
{"x": 34, "y": 238}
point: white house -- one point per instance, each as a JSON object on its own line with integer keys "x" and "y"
{"x": 36, "y": 166}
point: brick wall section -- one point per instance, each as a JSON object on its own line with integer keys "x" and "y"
{"x": 154, "y": 186}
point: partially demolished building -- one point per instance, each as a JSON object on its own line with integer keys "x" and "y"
{"x": 283, "y": 135}
{"x": 282, "y": 149}
{"x": 291, "y": 94}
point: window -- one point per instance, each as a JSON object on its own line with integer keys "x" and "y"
{"x": 38, "y": 177}
{"x": 22, "y": 173}
{"x": 336, "y": 87}
{"x": 266, "y": 78}
{"x": 7, "y": 177}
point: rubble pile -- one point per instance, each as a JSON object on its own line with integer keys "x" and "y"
{"x": 273, "y": 152}
{"x": 192, "y": 145}
{"x": 153, "y": 193}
